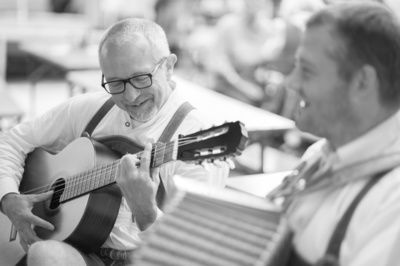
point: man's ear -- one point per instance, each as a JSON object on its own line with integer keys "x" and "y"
{"x": 365, "y": 83}
{"x": 171, "y": 61}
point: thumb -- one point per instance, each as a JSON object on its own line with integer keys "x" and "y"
{"x": 42, "y": 196}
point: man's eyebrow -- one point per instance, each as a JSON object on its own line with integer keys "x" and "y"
{"x": 129, "y": 77}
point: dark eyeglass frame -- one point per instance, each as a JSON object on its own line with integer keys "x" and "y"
{"x": 128, "y": 80}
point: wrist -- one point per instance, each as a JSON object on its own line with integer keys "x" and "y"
{"x": 146, "y": 216}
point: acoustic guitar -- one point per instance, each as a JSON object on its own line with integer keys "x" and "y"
{"x": 86, "y": 199}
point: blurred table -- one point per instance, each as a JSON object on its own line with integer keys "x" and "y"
{"x": 38, "y": 27}
{"x": 63, "y": 58}
{"x": 258, "y": 184}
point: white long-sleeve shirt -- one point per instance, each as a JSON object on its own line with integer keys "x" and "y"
{"x": 64, "y": 123}
{"x": 375, "y": 225}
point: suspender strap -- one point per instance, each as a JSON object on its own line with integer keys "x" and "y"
{"x": 167, "y": 134}
{"x": 97, "y": 117}
{"x": 333, "y": 251}
{"x": 175, "y": 121}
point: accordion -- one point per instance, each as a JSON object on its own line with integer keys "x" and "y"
{"x": 229, "y": 228}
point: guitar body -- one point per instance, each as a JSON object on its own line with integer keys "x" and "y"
{"x": 86, "y": 221}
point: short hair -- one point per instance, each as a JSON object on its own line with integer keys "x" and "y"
{"x": 125, "y": 31}
{"x": 367, "y": 33}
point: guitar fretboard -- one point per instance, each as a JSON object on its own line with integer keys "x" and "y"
{"x": 105, "y": 175}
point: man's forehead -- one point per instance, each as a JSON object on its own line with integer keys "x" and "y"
{"x": 318, "y": 42}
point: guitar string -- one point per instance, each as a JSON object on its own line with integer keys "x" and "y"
{"x": 155, "y": 150}
{"x": 89, "y": 174}
{"x": 106, "y": 171}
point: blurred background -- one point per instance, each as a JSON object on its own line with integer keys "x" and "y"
{"x": 238, "y": 50}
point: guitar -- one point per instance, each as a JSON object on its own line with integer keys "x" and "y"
{"x": 86, "y": 199}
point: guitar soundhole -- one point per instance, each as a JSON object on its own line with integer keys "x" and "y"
{"x": 58, "y": 188}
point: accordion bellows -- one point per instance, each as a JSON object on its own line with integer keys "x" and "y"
{"x": 202, "y": 230}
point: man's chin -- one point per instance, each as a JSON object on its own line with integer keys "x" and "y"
{"x": 142, "y": 117}
{"x": 301, "y": 123}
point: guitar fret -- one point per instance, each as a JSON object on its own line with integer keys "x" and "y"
{"x": 91, "y": 183}
{"x": 110, "y": 174}
{"x": 168, "y": 156}
{"x": 76, "y": 186}
{"x": 158, "y": 154}
{"x": 66, "y": 190}
{"x": 72, "y": 187}
{"x": 81, "y": 184}
{"x": 101, "y": 176}
{"x": 86, "y": 186}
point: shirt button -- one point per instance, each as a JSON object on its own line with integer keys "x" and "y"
{"x": 127, "y": 124}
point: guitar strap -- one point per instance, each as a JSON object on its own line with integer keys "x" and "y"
{"x": 123, "y": 145}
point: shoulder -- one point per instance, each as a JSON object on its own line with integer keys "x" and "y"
{"x": 87, "y": 103}
{"x": 90, "y": 99}
{"x": 195, "y": 120}
{"x": 382, "y": 202}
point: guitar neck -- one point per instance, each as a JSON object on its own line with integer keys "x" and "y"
{"x": 105, "y": 175}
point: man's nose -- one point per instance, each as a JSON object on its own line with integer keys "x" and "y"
{"x": 131, "y": 93}
{"x": 291, "y": 82}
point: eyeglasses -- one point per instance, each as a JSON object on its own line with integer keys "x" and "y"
{"x": 139, "y": 82}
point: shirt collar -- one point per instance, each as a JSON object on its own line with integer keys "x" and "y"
{"x": 374, "y": 142}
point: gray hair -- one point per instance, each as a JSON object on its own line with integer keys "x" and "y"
{"x": 125, "y": 31}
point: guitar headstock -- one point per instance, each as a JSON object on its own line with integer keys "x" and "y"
{"x": 218, "y": 142}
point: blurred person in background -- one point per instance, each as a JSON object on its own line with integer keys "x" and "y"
{"x": 234, "y": 54}
{"x": 115, "y": 10}
{"x": 250, "y": 50}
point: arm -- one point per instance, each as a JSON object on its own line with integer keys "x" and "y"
{"x": 52, "y": 131}
{"x": 139, "y": 187}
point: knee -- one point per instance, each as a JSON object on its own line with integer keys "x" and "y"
{"x": 45, "y": 252}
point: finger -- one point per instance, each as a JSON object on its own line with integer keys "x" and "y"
{"x": 146, "y": 155}
{"x": 154, "y": 174}
{"x": 29, "y": 235}
{"x": 126, "y": 167}
{"x": 37, "y": 221}
{"x": 156, "y": 178}
{"x": 42, "y": 196}
{"x": 128, "y": 163}
{"x": 23, "y": 244}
